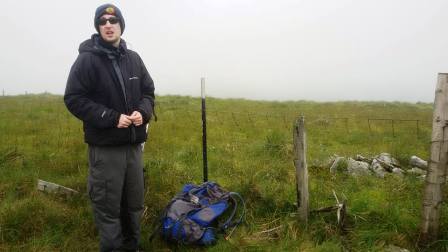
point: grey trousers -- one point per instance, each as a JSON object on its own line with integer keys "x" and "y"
{"x": 115, "y": 187}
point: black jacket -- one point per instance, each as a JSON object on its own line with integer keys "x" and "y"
{"x": 94, "y": 93}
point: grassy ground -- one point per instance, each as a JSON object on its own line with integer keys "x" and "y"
{"x": 250, "y": 151}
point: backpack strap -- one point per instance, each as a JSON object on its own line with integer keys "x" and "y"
{"x": 160, "y": 223}
{"x": 229, "y": 223}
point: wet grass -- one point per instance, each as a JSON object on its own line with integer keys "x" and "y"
{"x": 250, "y": 151}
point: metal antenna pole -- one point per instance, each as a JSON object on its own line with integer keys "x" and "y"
{"x": 204, "y": 131}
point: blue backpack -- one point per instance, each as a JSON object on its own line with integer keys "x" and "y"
{"x": 192, "y": 216}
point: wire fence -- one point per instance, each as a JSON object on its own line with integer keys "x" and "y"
{"x": 390, "y": 126}
{"x": 255, "y": 145}
{"x": 48, "y": 121}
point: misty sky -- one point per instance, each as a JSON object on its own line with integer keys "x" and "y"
{"x": 324, "y": 50}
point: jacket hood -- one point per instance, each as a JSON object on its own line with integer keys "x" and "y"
{"x": 98, "y": 46}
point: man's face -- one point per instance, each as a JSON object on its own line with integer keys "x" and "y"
{"x": 110, "y": 33}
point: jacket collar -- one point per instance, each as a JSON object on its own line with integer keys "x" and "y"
{"x": 107, "y": 48}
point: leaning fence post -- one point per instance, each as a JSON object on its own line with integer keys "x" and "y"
{"x": 435, "y": 179}
{"x": 299, "y": 137}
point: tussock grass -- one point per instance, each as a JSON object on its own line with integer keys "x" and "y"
{"x": 250, "y": 151}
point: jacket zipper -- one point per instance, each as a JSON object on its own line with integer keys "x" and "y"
{"x": 115, "y": 63}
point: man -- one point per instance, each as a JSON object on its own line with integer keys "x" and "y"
{"x": 110, "y": 90}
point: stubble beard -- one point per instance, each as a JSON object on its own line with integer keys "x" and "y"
{"x": 115, "y": 42}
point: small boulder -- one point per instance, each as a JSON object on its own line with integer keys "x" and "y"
{"x": 418, "y": 162}
{"x": 393, "y": 248}
{"x": 387, "y": 159}
{"x": 358, "y": 168}
{"x": 336, "y": 164}
{"x": 398, "y": 171}
{"x": 416, "y": 171}
{"x": 376, "y": 167}
{"x": 329, "y": 162}
{"x": 362, "y": 158}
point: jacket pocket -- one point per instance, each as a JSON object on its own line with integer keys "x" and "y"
{"x": 140, "y": 134}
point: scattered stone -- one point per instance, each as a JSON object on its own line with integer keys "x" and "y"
{"x": 387, "y": 161}
{"x": 393, "y": 248}
{"x": 386, "y": 166}
{"x": 376, "y": 167}
{"x": 329, "y": 162}
{"x": 336, "y": 163}
{"x": 363, "y": 159}
{"x": 358, "y": 168}
{"x": 416, "y": 171}
{"x": 54, "y": 188}
{"x": 380, "y": 166}
{"x": 387, "y": 158}
{"x": 418, "y": 162}
{"x": 398, "y": 171}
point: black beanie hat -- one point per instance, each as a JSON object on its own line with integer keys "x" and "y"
{"x": 111, "y": 10}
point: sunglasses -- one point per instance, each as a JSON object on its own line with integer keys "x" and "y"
{"x": 112, "y": 20}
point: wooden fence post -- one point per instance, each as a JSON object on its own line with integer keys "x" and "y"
{"x": 299, "y": 137}
{"x": 393, "y": 128}
{"x": 234, "y": 120}
{"x": 250, "y": 119}
{"x": 368, "y": 122}
{"x": 418, "y": 129}
{"x": 435, "y": 179}
{"x": 346, "y": 125}
{"x": 285, "y": 121}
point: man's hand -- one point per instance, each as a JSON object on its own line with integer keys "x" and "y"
{"x": 136, "y": 118}
{"x": 124, "y": 121}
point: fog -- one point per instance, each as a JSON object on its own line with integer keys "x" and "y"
{"x": 321, "y": 50}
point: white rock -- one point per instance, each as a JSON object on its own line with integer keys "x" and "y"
{"x": 418, "y": 162}
{"x": 416, "y": 171}
{"x": 358, "y": 168}
{"x": 336, "y": 163}
{"x": 393, "y": 248}
{"x": 388, "y": 159}
{"x": 331, "y": 160}
{"x": 398, "y": 171}
{"x": 376, "y": 167}
{"x": 362, "y": 158}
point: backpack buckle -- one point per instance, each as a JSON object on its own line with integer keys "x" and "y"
{"x": 194, "y": 199}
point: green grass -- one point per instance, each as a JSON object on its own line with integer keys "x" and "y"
{"x": 249, "y": 150}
